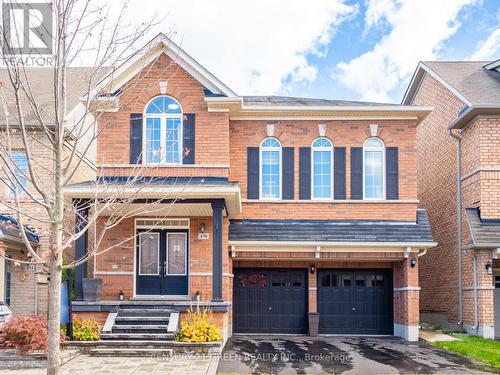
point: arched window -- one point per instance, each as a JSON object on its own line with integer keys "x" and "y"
{"x": 270, "y": 169}
{"x": 373, "y": 169}
{"x": 321, "y": 160}
{"x": 163, "y": 131}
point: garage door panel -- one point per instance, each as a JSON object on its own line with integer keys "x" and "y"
{"x": 276, "y": 301}
{"x": 355, "y": 301}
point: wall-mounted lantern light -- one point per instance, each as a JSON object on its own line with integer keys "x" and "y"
{"x": 312, "y": 268}
{"x": 489, "y": 268}
{"x": 121, "y": 295}
{"x": 413, "y": 262}
{"x": 202, "y": 227}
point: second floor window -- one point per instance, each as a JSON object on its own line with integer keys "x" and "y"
{"x": 322, "y": 155}
{"x": 20, "y": 169}
{"x": 270, "y": 169}
{"x": 163, "y": 131}
{"x": 373, "y": 169}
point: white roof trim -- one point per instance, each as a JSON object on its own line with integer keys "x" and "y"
{"x": 417, "y": 77}
{"x": 167, "y": 46}
{"x": 420, "y": 245}
{"x": 493, "y": 65}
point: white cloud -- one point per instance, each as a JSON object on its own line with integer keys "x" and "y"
{"x": 488, "y": 49}
{"x": 418, "y": 30}
{"x": 255, "y": 47}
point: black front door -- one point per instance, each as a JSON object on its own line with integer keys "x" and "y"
{"x": 355, "y": 301}
{"x": 162, "y": 262}
{"x": 270, "y": 301}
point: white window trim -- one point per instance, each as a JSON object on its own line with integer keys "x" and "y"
{"x": 157, "y": 256}
{"x": 163, "y": 132}
{"x": 185, "y": 258}
{"x": 9, "y": 190}
{"x": 380, "y": 149}
{"x": 313, "y": 149}
{"x": 280, "y": 151}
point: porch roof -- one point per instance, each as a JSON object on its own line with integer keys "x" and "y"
{"x": 333, "y": 232}
{"x": 485, "y": 233}
{"x": 10, "y": 230}
{"x": 171, "y": 190}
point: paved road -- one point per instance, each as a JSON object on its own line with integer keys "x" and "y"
{"x": 339, "y": 355}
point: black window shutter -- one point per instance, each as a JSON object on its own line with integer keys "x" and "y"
{"x": 392, "y": 172}
{"x": 288, "y": 173}
{"x": 188, "y": 147}
{"x": 305, "y": 173}
{"x": 253, "y": 173}
{"x": 339, "y": 173}
{"x": 135, "y": 138}
{"x": 356, "y": 173}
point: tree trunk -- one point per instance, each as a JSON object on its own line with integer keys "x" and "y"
{"x": 53, "y": 358}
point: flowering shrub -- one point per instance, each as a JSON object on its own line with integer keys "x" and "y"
{"x": 198, "y": 327}
{"x": 26, "y": 333}
{"x": 85, "y": 330}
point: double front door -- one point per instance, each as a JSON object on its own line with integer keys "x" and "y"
{"x": 162, "y": 262}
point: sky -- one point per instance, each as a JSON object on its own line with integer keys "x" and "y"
{"x": 335, "y": 49}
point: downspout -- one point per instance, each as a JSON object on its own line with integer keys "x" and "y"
{"x": 459, "y": 225}
{"x": 476, "y": 312}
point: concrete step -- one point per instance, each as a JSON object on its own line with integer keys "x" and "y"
{"x": 130, "y": 352}
{"x": 144, "y": 312}
{"x": 122, "y": 328}
{"x": 146, "y": 306}
{"x": 160, "y": 344}
{"x": 141, "y": 320}
{"x": 137, "y": 336}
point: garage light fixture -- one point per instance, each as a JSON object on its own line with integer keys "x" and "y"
{"x": 413, "y": 262}
{"x": 489, "y": 268}
{"x": 312, "y": 268}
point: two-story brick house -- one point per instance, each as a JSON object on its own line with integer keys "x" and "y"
{"x": 271, "y": 209}
{"x": 459, "y": 185}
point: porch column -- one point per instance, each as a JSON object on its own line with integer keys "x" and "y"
{"x": 81, "y": 244}
{"x": 217, "y": 207}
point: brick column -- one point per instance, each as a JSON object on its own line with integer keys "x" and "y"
{"x": 406, "y": 299}
{"x": 313, "y": 292}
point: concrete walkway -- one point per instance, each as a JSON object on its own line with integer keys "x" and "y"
{"x": 432, "y": 336}
{"x": 176, "y": 365}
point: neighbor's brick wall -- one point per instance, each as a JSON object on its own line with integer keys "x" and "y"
{"x": 24, "y": 284}
{"x": 343, "y": 133}
{"x": 212, "y": 129}
{"x": 436, "y": 170}
{"x": 437, "y": 193}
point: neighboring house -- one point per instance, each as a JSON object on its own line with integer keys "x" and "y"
{"x": 22, "y": 286}
{"x": 271, "y": 207}
{"x": 465, "y": 126}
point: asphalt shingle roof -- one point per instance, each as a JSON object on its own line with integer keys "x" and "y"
{"x": 484, "y": 232}
{"x": 293, "y": 101}
{"x": 10, "y": 227}
{"x": 332, "y": 230}
{"x": 470, "y": 78}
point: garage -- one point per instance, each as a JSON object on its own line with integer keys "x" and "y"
{"x": 355, "y": 302}
{"x": 270, "y": 301}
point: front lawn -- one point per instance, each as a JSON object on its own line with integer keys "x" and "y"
{"x": 484, "y": 350}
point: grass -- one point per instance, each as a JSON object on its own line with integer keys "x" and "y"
{"x": 484, "y": 350}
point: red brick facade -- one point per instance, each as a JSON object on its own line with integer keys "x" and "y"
{"x": 221, "y": 151}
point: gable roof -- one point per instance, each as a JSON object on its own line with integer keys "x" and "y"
{"x": 471, "y": 81}
{"x": 161, "y": 44}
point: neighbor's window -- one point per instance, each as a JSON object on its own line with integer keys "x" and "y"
{"x": 373, "y": 169}
{"x": 270, "y": 169}
{"x": 20, "y": 169}
{"x": 321, "y": 159}
{"x": 163, "y": 131}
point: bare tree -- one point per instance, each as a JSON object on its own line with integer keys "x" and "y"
{"x": 57, "y": 139}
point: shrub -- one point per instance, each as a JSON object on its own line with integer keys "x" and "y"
{"x": 198, "y": 327}
{"x": 85, "y": 330}
{"x": 26, "y": 334}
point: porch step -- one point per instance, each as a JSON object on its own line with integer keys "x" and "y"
{"x": 141, "y": 320}
{"x": 136, "y": 336}
{"x": 133, "y": 343}
{"x": 122, "y": 328}
{"x": 144, "y": 312}
{"x": 130, "y": 352}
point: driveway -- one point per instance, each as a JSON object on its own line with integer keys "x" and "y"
{"x": 335, "y": 354}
